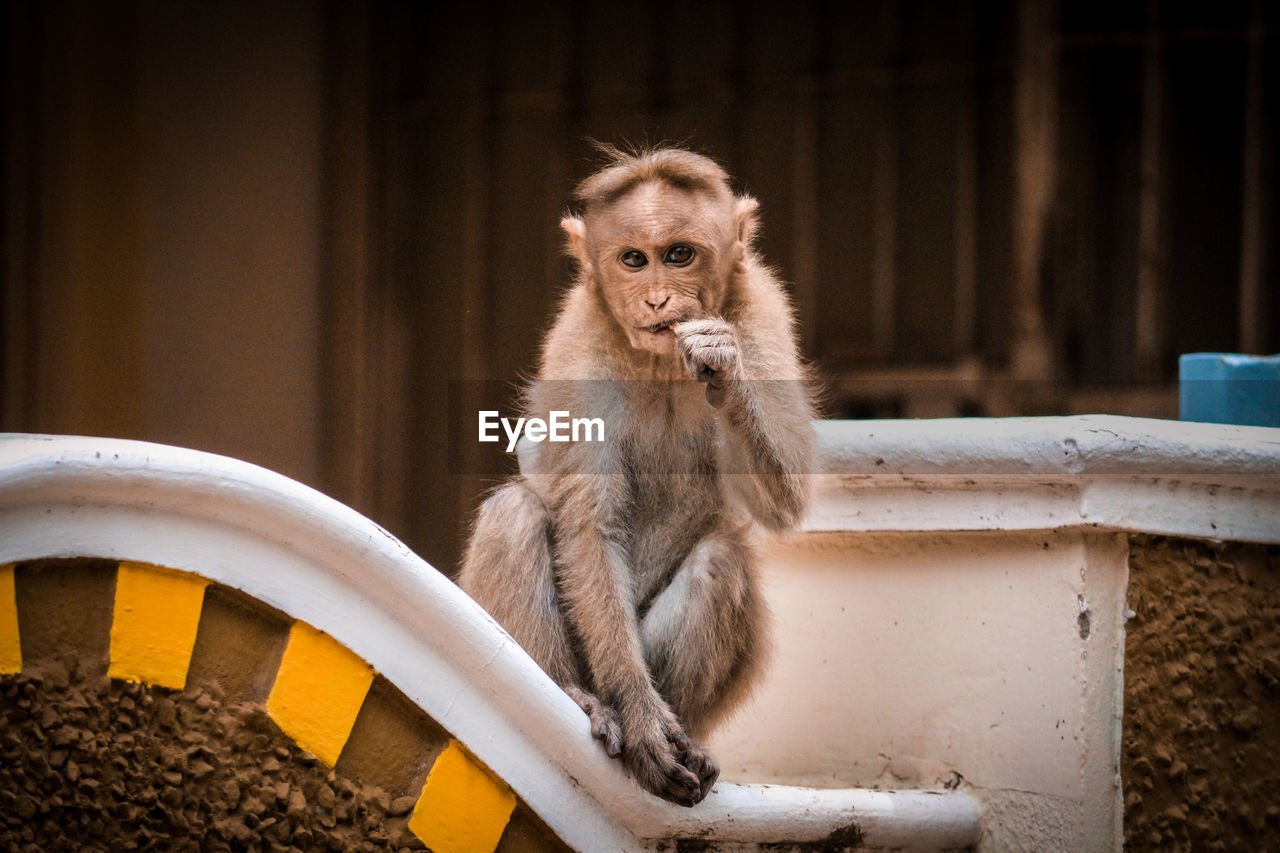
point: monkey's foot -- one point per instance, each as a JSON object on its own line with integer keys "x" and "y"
{"x": 702, "y": 765}
{"x": 605, "y": 726}
{"x": 672, "y": 767}
{"x": 663, "y": 759}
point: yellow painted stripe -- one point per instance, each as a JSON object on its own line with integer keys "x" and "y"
{"x": 318, "y": 692}
{"x": 153, "y": 630}
{"x": 10, "y": 641}
{"x": 463, "y": 809}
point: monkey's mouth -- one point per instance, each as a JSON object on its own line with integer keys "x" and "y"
{"x": 661, "y": 327}
{"x": 657, "y": 337}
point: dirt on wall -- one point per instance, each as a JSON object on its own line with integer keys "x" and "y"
{"x": 91, "y": 764}
{"x": 1201, "y": 750}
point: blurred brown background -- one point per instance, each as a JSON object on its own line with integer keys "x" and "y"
{"x": 288, "y": 231}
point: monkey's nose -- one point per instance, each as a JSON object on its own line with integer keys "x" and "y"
{"x": 656, "y": 302}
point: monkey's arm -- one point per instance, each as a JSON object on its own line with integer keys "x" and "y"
{"x": 767, "y": 446}
{"x": 767, "y": 450}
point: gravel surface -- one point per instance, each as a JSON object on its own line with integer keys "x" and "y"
{"x": 92, "y": 764}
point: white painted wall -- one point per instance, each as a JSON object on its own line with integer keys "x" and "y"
{"x": 905, "y": 659}
{"x": 931, "y": 621}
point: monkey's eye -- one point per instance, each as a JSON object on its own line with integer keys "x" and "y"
{"x": 678, "y": 255}
{"x": 633, "y": 258}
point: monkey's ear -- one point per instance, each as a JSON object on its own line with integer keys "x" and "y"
{"x": 576, "y": 230}
{"x": 744, "y": 218}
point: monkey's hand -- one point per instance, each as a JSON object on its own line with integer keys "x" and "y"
{"x": 605, "y": 725}
{"x": 709, "y": 349}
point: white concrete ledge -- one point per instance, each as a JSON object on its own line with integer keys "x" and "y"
{"x": 321, "y": 562}
{"x": 1099, "y": 471}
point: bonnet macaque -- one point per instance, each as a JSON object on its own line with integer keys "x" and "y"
{"x": 624, "y": 567}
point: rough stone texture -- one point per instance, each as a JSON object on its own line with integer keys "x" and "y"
{"x": 238, "y": 646}
{"x": 526, "y": 833}
{"x": 393, "y": 743}
{"x": 87, "y": 763}
{"x": 1202, "y": 696}
{"x": 64, "y": 608}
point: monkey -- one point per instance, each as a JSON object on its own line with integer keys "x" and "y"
{"x": 625, "y": 568}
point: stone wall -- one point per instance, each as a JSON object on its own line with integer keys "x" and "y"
{"x": 1202, "y": 696}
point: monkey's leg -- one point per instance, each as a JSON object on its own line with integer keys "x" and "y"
{"x": 508, "y": 570}
{"x": 703, "y": 634}
{"x": 702, "y": 639}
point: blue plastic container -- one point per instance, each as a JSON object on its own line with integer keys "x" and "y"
{"x": 1224, "y": 388}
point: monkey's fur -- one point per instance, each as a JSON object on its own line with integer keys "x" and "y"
{"x": 624, "y": 567}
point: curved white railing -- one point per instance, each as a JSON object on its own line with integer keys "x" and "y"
{"x": 317, "y": 560}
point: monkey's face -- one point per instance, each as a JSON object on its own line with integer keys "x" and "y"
{"x": 661, "y": 255}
